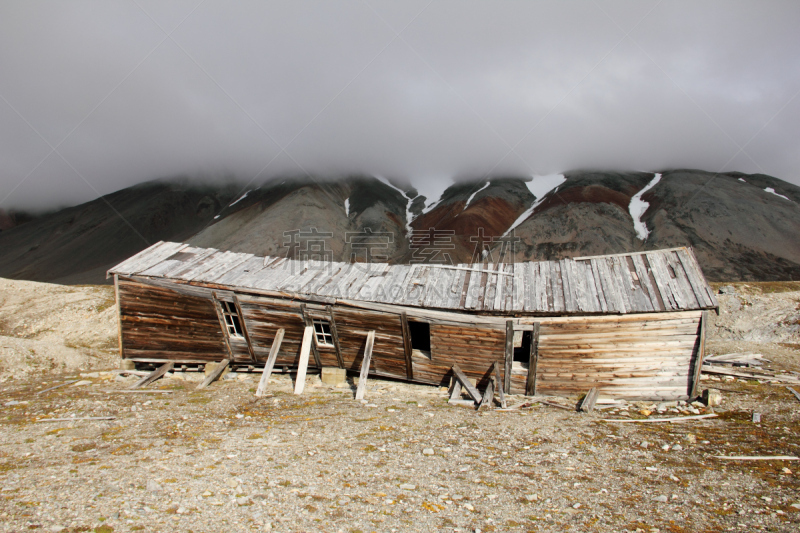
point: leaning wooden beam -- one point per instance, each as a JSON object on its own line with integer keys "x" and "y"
{"x": 215, "y": 374}
{"x": 471, "y": 390}
{"x": 708, "y": 369}
{"x": 589, "y": 400}
{"x": 302, "y": 366}
{"x": 533, "y": 362}
{"x": 488, "y": 395}
{"x": 273, "y": 355}
{"x": 154, "y": 375}
{"x": 362, "y": 377}
{"x": 309, "y": 322}
{"x": 502, "y": 394}
{"x": 335, "y": 335}
{"x": 455, "y": 391}
{"x": 407, "y": 346}
{"x": 57, "y": 386}
{"x": 77, "y": 418}
{"x": 128, "y": 391}
{"x": 246, "y": 334}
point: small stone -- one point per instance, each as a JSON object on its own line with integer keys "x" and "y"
{"x": 232, "y": 483}
{"x": 576, "y": 506}
{"x": 532, "y": 497}
{"x": 786, "y": 471}
{"x": 244, "y": 500}
{"x": 206, "y": 494}
{"x": 712, "y": 397}
{"x": 644, "y": 444}
{"x": 756, "y": 418}
{"x": 469, "y": 507}
{"x": 795, "y": 505}
{"x": 665, "y": 447}
{"x": 153, "y": 486}
{"x": 660, "y": 499}
{"x": 408, "y": 486}
{"x": 677, "y": 448}
{"x": 427, "y": 451}
{"x": 82, "y": 383}
{"x": 645, "y": 412}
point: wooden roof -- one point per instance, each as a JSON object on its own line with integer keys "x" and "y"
{"x": 659, "y": 280}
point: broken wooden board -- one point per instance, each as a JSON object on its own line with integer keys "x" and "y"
{"x": 796, "y": 394}
{"x": 214, "y": 375}
{"x": 708, "y": 369}
{"x": 587, "y": 405}
{"x": 651, "y": 420}
{"x": 362, "y": 377}
{"x": 757, "y": 457}
{"x": 57, "y": 386}
{"x": 154, "y": 375}
{"x": 273, "y": 355}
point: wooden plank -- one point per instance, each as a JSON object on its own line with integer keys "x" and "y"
{"x": 270, "y": 365}
{"x": 58, "y": 386}
{"x": 154, "y": 375}
{"x": 213, "y": 376}
{"x": 455, "y": 390}
{"x": 302, "y": 365}
{"x": 496, "y": 372}
{"x": 335, "y": 335}
{"x": 570, "y": 303}
{"x": 557, "y": 286}
{"x": 533, "y": 362}
{"x": 362, "y": 377}
{"x": 119, "y": 317}
{"x": 488, "y": 395}
{"x": 407, "y": 346}
{"x": 309, "y": 323}
{"x": 598, "y": 283}
{"x": 698, "y": 360}
{"x": 587, "y": 405}
{"x": 655, "y": 420}
{"x": 468, "y": 386}
{"x": 243, "y": 322}
{"x": 509, "y": 356}
{"x": 796, "y": 394}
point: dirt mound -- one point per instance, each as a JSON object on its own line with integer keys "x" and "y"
{"x": 47, "y": 327}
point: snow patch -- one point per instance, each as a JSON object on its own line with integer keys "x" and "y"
{"x": 216, "y": 217}
{"x": 772, "y": 191}
{"x": 540, "y": 187}
{"x": 432, "y": 189}
{"x": 469, "y": 200}
{"x": 409, "y": 215}
{"x": 740, "y": 179}
{"x": 242, "y": 197}
{"x": 347, "y": 207}
{"x": 637, "y": 208}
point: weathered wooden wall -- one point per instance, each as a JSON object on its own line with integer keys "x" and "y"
{"x": 388, "y": 357}
{"x": 159, "y": 324}
{"x": 634, "y": 356}
{"x": 472, "y": 348}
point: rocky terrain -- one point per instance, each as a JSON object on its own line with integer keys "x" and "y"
{"x": 741, "y": 226}
{"x": 176, "y": 459}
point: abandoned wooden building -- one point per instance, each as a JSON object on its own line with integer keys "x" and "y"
{"x": 631, "y": 325}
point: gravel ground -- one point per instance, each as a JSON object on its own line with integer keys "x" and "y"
{"x": 218, "y": 460}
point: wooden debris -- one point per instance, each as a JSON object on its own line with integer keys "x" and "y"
{"x": 589, "y": 400}
{"x": 130, "y": 372}
{"x": 739, "y": 359}
{"x": 465, "y": 382}
{"x": 128, "y": 391}
{"x": 455, "y": 390}
{"x": 273, "y": 355}
{"x": 554, "y": 404}
{"x": 61, "y": 385}
{"x": 214, "y": 375}
{"x": 77, "y": 418}
{"x": 757, "y": 457}
{"x": 650, "y": 420}
{"x": 302, "y": 365}
{"x": 468, "y": 403}
{"x": 708, "y": 369}
{"x": 154, "y": 375}
{"x": 796, "y": 394}
{"x": 362, "y": 377}
{"x": 488, "y": 395}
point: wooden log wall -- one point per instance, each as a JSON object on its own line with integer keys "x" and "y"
{"x": 263, "y": 318}
{"x": 635, "y": 356}
{"x": 473, "y": 349}
{"x": 388, "y": 355}
{"x": 159, "y": 324}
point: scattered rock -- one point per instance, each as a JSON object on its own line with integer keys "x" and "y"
{"x": 660, "y": 499}
{"x": 428, "y": 451}
{"x": 408, "y": 486}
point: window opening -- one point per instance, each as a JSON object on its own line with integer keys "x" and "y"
{"x": 232, "y": 320}
{"x": 420, "y": 338}
{"x": 522, "y": 348}
{"x": 322, "y": 332}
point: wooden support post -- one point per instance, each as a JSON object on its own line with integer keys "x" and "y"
{"x": 310, "y": 323}
{"x": 407, "y": 346}
{"x": 213, "y": 376}
{"x": 701, "y": 353}
{"x": 502, "y": 395}
{"x": 244, "y": 329}
{"x": 335, "y": 335}
{"x": 509, "y": 361}
{"x": 154, "y": 375}
{"x": 273, "y": 355}
{"x": 533, "y": 362}
{"x": 470, "y": 388}
{"x": 455, "y": 390}
{"x": 362, "y": 377}
{"x": 589, "y": 400}
{"x": 305, "y": 349}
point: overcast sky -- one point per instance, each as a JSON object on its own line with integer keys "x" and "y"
{"x": 96, "y": 96}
